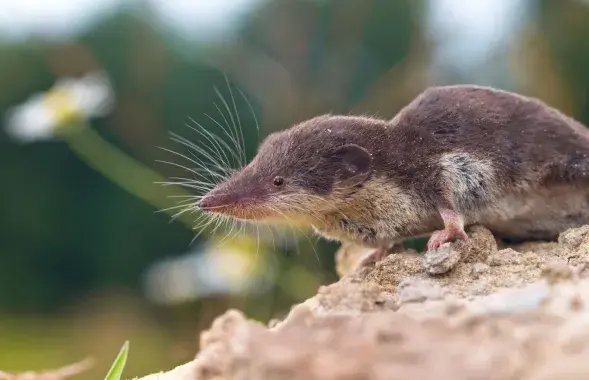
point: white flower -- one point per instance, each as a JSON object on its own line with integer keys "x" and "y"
{"x": 69, "y": 102}
{"x": 229, "y": 268}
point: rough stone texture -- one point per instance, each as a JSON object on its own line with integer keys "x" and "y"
{"x": 183, "y": 372}
{"x": 519, "y": 312}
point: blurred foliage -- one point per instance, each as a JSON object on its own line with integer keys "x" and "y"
{"x": 68, "y": 236}
{"x": 70, "y": 231}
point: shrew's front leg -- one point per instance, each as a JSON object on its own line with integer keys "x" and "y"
{"x": 453, "y": 229}
{"x": 466, "y": 184}
{"x": 367, "y": 235}
{"x": 375, "y": 256}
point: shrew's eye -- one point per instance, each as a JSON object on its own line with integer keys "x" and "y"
{"x": 278, "y": 181}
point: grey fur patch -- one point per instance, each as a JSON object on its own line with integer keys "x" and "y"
{"x": 470, "y": 180}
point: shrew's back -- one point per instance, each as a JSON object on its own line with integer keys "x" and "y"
{"x": 523, "y": 136}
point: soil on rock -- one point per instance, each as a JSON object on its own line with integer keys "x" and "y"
{"x": 470, "y": 310}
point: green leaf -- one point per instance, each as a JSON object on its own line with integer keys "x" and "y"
{"x": 116, "y": 370}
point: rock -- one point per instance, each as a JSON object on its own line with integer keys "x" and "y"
{"x": 183, "y": 372}
{"x": 575, "y": 238}
{"x": 441, "y": 260}
{"x": 557, "y": 272}
{"x": 419, "y": 290}
{"x": 511, "y": 301}
{"x": 394, "y": 268}
{"x": 480, "y": 245}
{"x": 506, "y": 256}
{"x": 479, "y": 269}
{"x": 518, "y": 313}
{"x": 500, "y": 336}
{"x": 348, "y": 257}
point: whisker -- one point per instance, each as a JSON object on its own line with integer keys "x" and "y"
{"x": 193, "y": 171}
{"x": 218, "y": 141}
{"x": 235, "y": 154}
{"x": 199, "y": 164}
{"x": 305, "y": 235}
{"x": 214, "y": 148}
{"x": 181, "y": 212}
{"x": 168, "y": 209}
{"x": 202, "y": 229}
{"x": 177, "y": 180}
{"x": 191, "y": 145}
{"x": 249, "y": 104}
{"x": 238, "y": 118}
{"x": 240, "y": 150}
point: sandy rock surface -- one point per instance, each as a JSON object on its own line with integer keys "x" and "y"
{"x": 470, "y": 310}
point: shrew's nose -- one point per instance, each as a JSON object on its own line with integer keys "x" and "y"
{"x": 215, "y": 201}
{"x": 208, "y": 202}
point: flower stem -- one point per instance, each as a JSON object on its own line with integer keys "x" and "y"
{"x": 125, "y": 171}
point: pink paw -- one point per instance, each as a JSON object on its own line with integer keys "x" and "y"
{"x": 444, "y": 236}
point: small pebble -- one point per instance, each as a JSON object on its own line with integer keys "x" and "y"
{"x": 557, "y": 272}
{"x": 505, "y": 256}
{"x": 478, "y": 269}
{"x": 441, "y": 260}
{"x": 418, "y": 290}
{"x": 574, "y": 237}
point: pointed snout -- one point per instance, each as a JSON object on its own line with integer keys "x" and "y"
{"x": 237, "y": 197}
{"x": 236, "y": 204}
{"x": 206, "y": 203}
{"x": 221, "y": 199}
{"x": 213, "y": 202}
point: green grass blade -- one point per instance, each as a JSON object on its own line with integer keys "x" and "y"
{"x": 116, "y": 370}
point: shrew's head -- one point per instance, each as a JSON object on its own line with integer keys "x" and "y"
{"x": 297, "y": 172}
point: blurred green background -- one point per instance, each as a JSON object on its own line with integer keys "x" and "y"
{"x": 86, "y": 264}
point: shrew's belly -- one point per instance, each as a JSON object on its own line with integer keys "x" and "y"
{"x": 385, "y": 230}
{"x": 541, "y": 214}
{"x": 347, "y": 231}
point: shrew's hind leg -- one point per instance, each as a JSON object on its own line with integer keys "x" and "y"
{"x": 453, "y": 229}
{"x": 379, "y": 254}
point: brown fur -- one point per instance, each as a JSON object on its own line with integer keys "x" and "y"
{"x": 511, "y": 163}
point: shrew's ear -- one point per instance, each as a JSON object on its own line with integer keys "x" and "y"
{"x": 353, "y": 165}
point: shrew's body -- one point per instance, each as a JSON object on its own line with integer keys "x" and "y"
{"x": 454, "y": 156}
